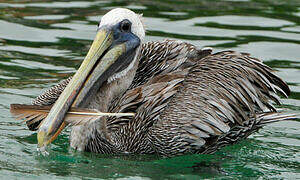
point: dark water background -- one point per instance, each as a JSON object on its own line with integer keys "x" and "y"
{"x": 42, "y": 42}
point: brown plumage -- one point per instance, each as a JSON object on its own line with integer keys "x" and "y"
{"x": 186, "y": 100}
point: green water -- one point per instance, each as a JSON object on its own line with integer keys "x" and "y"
{"x": 42, "y": 42}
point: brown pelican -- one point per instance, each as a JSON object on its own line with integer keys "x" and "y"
{"x": 185, "y": 99}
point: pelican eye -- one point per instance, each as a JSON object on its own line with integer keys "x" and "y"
{"x": 125, "y": 26}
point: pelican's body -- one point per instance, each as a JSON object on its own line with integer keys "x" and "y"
{"x": 186, "y": 100}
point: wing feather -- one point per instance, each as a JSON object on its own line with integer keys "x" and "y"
{"x": 76, "y": 116}
{"x": 221, "y": 91}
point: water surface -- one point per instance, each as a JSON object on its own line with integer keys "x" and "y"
{"x": 43, "y": 42}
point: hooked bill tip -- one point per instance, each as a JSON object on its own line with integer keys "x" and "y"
{"x": 43, "y": 151}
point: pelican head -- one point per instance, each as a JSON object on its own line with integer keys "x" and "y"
{"x": 111, "y": 55}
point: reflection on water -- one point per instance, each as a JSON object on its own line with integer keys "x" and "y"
{"x": 42, "y": 42}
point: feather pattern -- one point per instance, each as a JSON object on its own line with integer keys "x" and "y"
{"x": 187, "y": 100}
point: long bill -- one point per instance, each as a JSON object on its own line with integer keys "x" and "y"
{"x": 95, "y": 66}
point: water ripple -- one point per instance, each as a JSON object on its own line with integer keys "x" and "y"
{"x": 42, "y": 42}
